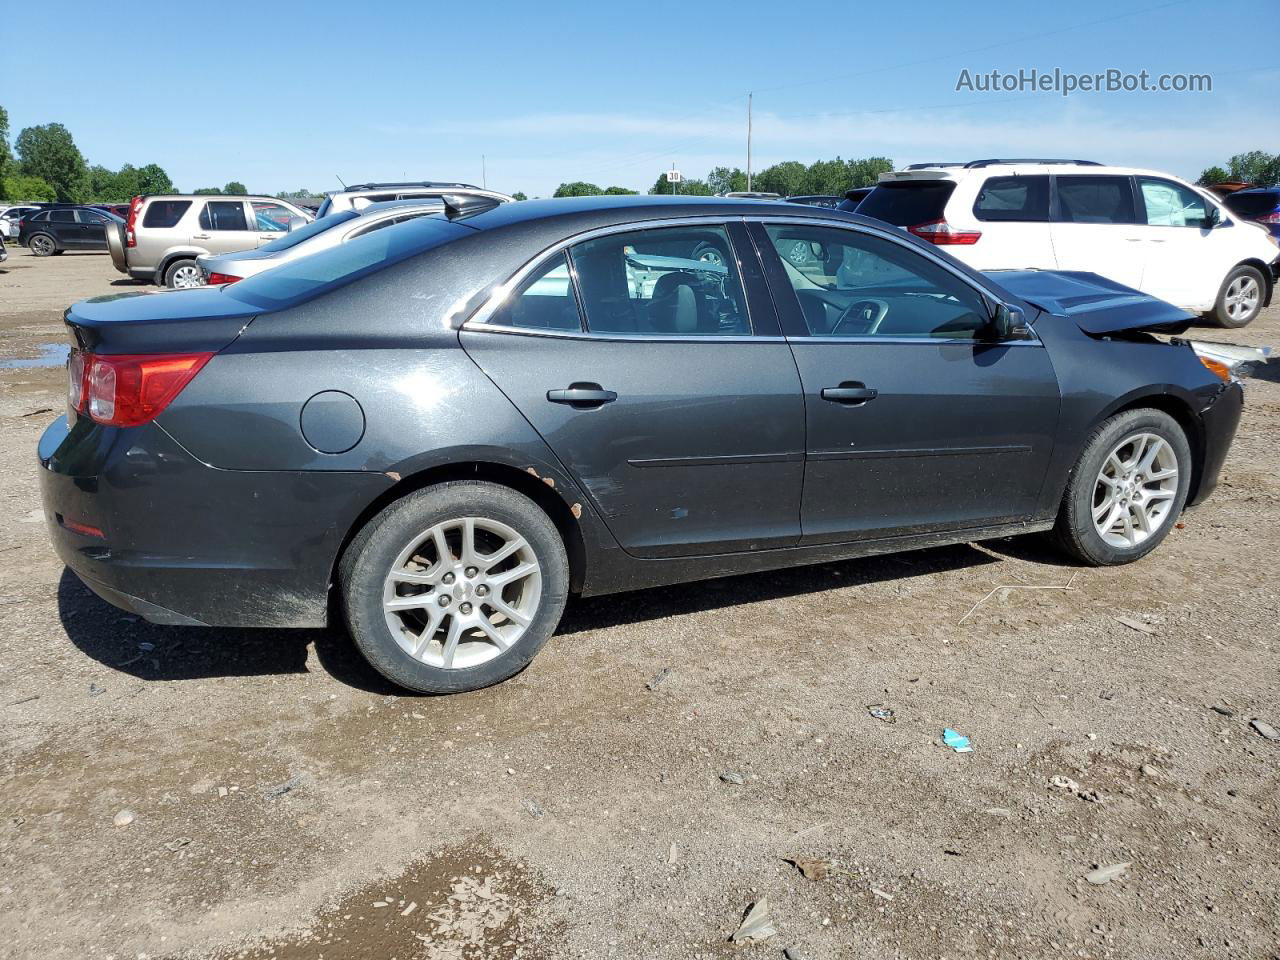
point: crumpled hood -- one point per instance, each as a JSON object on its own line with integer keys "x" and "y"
{"x": 1096, "y": 304}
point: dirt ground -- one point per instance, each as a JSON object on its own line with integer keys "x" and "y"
{"x": 288, "y": 803}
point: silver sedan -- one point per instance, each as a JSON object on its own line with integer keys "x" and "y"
{"x": 319, "y": 235}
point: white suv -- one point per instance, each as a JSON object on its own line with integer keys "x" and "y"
{"x": 1147, "y": 230}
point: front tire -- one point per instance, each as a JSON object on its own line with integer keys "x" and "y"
{"x": 183, "y": 274}
{"x": 42, "y": 245}
{"x": 1240, "y": 299}
{"x": 454, "y": 587}
{"x": 1127, "y": 490}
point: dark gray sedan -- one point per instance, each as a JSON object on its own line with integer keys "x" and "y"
{"x": 450, "y": 425}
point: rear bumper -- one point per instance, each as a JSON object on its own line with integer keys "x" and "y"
{"x": 184, "y": 543}
{"x": 1220, "y": 420}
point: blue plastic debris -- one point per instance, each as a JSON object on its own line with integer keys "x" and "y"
{"x": 958, "y": 743}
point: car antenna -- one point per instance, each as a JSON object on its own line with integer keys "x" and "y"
{"x": 344, "y": 186}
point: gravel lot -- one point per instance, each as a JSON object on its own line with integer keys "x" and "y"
{"x": 286, "y": 802}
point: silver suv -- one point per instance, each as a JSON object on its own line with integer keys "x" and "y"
{"x": 165, "y": 234}
{"x": 360, "y": 195}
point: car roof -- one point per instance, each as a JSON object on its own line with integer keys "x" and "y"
{"x": 397, "y": 184}
{"x": 612, "y": 210}
{"x": 958, "y": 171}
{"x": 213, "y": 196}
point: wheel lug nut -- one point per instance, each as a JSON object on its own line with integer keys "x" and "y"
{"x": 465, "y": 608}
{"x": 448, "y": 578}
{"x": 482, "y": 591}
{"x": 472, "y": 571}
{"x": 445, "y": 600}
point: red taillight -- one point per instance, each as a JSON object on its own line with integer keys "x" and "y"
{"x": 944, "y": 234}
{"x": 130, "y": 238}
{"x": 132, "y": 389}
{"x": 216, "y": 278}
{"x": 1270, "y": 217}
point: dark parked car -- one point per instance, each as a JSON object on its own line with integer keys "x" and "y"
{"x": 852, "y": 198}
{"x": 454, "y": 423}
{"x": 58, "y": 229}
{"x": 816, "y": 200}
{"x": 121, "y": 210}
{"x": 1260, "y": 204}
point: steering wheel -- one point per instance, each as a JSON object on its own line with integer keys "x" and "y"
{"x": 870, "y": 312}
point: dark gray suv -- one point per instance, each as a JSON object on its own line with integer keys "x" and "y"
{"x": 450, "y": 425}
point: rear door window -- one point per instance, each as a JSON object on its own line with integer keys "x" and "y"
{"x": 165, "y": 213}
{"x": 1095, "y": 199}
{"x": 1017, "y": 199}
{"x": 62, "y": 216}
{"x": 90, "y": 216}
{"x": 674, "y": 281}
{"x": 907, "y": 203}
{"x": 223, "y": 215}
{"x": 271, "y": 216}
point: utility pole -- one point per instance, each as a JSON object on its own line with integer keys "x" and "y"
{"x": 748, "y": 143}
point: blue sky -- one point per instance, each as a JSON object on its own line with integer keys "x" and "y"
{"x": 282, "y": 95}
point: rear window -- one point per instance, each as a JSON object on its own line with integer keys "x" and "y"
{"x": 164, "y": 213}
{"x": 908, "y": 202}
{"x": 1017, "y": 199}
{"x": 295, "y": 237}
{"x": 306, "y": 278}
{"x": 1252, "y": 204}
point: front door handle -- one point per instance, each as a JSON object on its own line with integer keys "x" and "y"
{"x": 199, "y": 236}
{"x": 852, "y": 393}
{"x": 582, "y": 396}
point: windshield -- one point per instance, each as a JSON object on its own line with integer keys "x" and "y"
{"x": 295, "y": 237}
{"x": 305, "y": 278}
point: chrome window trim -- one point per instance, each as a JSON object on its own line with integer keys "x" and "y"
{"x": 477, "y": 321}
{"x": 479, "y": 317}
{"x": 893, "y": 235}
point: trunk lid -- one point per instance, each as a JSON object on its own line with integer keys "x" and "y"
{"x": 174, "y": 321}
{"x": 1098, "y": 306}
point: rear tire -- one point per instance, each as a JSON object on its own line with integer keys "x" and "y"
{"x": 451, "y": 620}
{"x": 1127, "y": 490}
{"x": 183, "y": 274}
{"x": 1240, "y": 299}
{"x": 42, "y": 245}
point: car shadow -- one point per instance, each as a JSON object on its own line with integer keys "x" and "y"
{"x": 1269, "y": 371}
{"x": 130, "y": 645}
{"x": 595, "y": 613}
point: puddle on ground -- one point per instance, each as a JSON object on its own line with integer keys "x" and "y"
{"x": 466, "y": 903}
{"x": 51, "y": 355}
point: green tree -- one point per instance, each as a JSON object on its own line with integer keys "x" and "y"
{"x": 1257, "y": 167}
{"x": 618, "y": 192}
{"x": 829, "y": 177}
{"x": 152, "y": 180}
{"x": 302, "y": 194}
{"x": 519, "y": 195}
{"x": 6, "y": 158}
{"x": 577, "y": 188}
{"x": 235, "y": 188}
{"x": 786, "y": 178}
{"x": 1212, "y": 175}
{"x": 866, "y": 172}
{"x": 208, "y": 191}
{"x": 50, "y": 153}
{"x": 723, "y": 180}
{"x": 32, "y": 189}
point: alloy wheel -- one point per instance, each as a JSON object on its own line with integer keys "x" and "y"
{"x": 1135, "y": 490}
{"x": 188, "y": 276}
{"x": 1243, "y": 296}
{"x": 42, "y": 246}
{"x": 462, "y": 592}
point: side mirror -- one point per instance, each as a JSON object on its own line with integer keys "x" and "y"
{"x": 1212, "y": 217}
{"x": 1008, "y": 323}
{"x": 296, "y": 222}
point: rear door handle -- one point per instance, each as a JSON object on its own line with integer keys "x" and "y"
{"x": 199, "y": 236}
{"x": 852, "y": 393}
{"x": 583, "y": 395}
